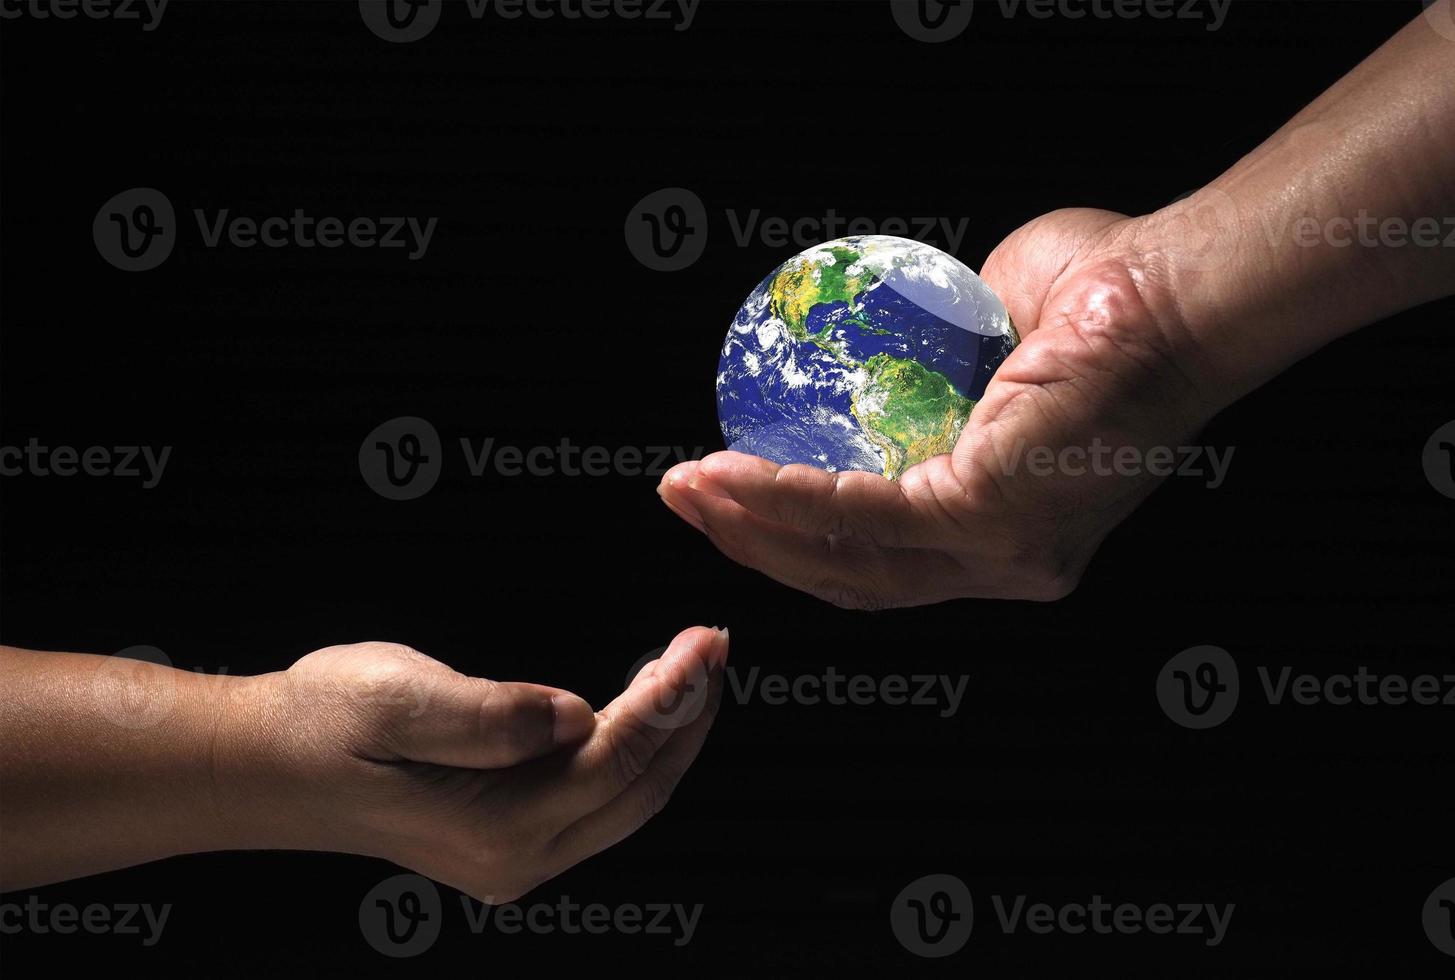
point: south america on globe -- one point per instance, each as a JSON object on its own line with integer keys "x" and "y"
{"x": 863, "y": 353}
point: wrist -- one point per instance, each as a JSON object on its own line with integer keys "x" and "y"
{"x": 261, "y": 793}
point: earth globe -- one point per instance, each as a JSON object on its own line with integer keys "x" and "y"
{"x": 865, "y": 353}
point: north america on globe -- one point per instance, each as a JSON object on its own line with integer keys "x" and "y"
{"x": 864, "y": 353}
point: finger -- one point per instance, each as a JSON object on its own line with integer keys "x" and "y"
{"x": 665, "y": 697}
{"x": 645, "y": 797}
{"x": 849, "y": 572}
{"x": 846, "y": 504}
{"x": 450, "y": 719}
{"x": 793, "y": 557}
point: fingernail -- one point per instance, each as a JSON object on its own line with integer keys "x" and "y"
{"x": 703, "y": 484}
{"x": 720, "y": 651}
{"x": 574, "y": 719}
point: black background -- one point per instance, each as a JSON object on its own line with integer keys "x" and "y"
{"x": 528, "y": 320}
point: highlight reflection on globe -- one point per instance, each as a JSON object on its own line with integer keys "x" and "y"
{"x": 863, "y": 353}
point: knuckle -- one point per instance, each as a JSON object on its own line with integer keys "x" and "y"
{"x": 382, "y": 672}
{"x": 1120, "y": 313}
{"x": 387, "y": 651}
{"x": 808, "y": 497}
{"x": 386, "y": 685}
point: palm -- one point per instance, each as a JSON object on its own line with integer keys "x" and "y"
{"x": 489, "y": 786}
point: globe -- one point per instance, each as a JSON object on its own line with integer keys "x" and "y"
{"x": 864, "y": 353}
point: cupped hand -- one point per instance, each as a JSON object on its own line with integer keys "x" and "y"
{"x": 1018, "y": 509}
{"x": 487, "y": 786}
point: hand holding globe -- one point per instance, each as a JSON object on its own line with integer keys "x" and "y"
{"x": 1134, "y": 332}
{"x": 1098, "y": 338}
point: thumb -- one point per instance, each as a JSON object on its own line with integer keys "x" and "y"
{"x": 450, "y": 719}
{"x": 1024, "y": 267}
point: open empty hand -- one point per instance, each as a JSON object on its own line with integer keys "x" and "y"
{"x": 372, "y": 748}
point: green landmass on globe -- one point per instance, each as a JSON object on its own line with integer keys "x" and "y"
{"x": 909, "y": 411}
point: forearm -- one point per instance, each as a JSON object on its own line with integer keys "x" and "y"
{"x": 1342, "y": 218}
{"x": 107, "y": 762}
